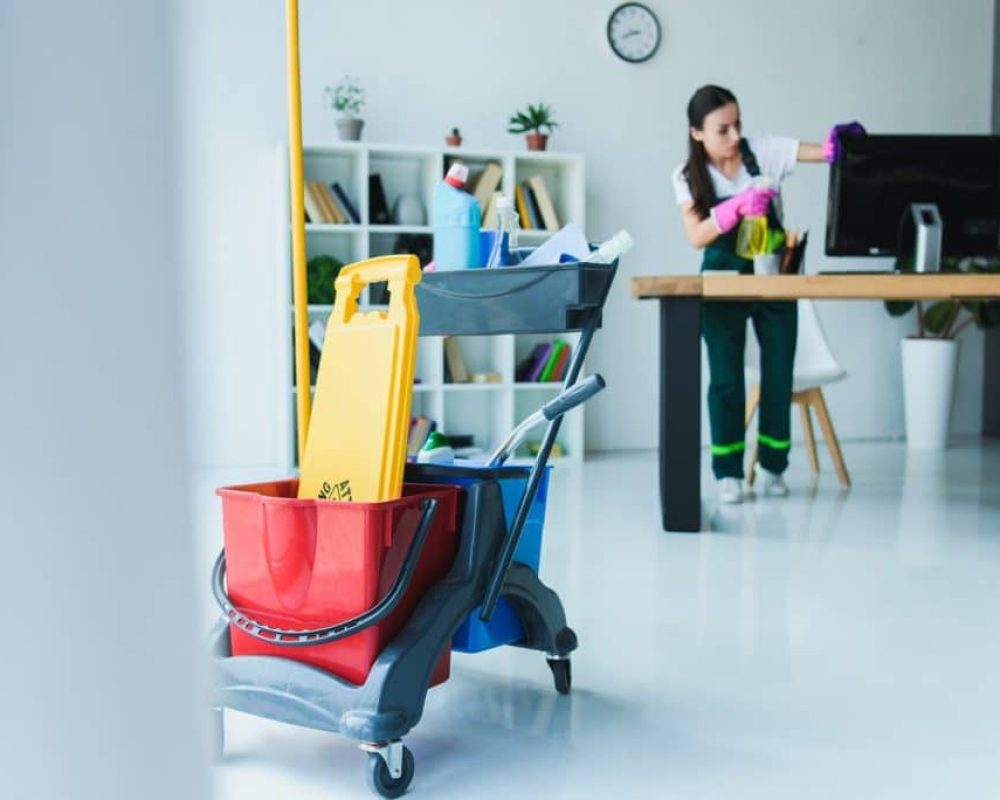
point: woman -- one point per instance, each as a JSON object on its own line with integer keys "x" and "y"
{"x": 715, "y": 191}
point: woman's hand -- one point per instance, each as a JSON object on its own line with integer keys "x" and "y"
{"x": 831, "y": 147}
{"x": 748, "y": 203}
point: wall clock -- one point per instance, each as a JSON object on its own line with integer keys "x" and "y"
{"x": 633, "y": 32}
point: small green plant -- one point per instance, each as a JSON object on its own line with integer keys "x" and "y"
{"x": 321, "y": 275}
{"x": 944, "y": 319}
{"x": 533, "y": 119}
{"x": 347, "y": 97}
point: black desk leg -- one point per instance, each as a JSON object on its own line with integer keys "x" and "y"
{"x": 680, "y": 413}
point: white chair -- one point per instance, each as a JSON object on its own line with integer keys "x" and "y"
{"x": 814, "y": 367}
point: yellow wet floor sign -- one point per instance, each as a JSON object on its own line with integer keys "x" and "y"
{"x": 356, "y": 444}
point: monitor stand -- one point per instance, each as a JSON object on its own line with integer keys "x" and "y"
{"x": 929, "y": 229}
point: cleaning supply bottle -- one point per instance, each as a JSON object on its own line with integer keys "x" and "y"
{"x": 456, "y": 222}
{"x": 609, "y": 250}
{"x": 505, "y": 241}
{"x": 751, "y": 238}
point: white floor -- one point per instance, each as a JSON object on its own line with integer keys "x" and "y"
{"x": 831, "y": 645}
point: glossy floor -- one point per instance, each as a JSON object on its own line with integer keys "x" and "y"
{"x": 830, "y": 645}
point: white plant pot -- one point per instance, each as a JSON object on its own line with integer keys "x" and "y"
{"x": 929, "y": 367}
{"x": 349, "y": 128}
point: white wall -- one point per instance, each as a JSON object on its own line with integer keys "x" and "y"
{"x": 99, "y": 661}
{"x": 797, "y": 65}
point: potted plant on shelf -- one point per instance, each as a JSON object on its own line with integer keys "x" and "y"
{"x": 347, "y": 98}
{"x": 453, "y": 139}
{"x": 531, "y": 122}
{"x": 930, "y": 356}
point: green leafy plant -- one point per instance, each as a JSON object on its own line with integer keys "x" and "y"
{"x": 347, "y": 97}
{"x": 321, "y": 274}
{"x": 946, "y": 319}
{"x": 533, "y": 119}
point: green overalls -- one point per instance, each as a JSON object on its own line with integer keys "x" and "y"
{"x": 724, "y": 325}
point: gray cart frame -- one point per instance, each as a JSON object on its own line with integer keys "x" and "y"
{"x": 381, "y": 711}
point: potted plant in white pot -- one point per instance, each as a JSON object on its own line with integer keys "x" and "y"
{"x": 347, "y": 98}
{"x": 531, "y": 122}
{"x": 930, "y": 356}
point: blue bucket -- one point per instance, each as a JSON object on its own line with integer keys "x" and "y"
{"x": 474, "y": 635}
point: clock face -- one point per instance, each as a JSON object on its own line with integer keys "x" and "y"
{"x": 633, "y": 32}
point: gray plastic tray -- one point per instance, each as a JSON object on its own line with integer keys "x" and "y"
{"x": 537, "y": 299}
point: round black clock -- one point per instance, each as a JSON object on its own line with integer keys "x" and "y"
{"x": 633, "y": 32}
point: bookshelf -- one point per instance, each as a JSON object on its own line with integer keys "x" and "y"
{"x": 486, "y": 411}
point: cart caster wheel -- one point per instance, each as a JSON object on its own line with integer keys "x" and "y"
{"x": 381, "y": 782}
{"x": 563, "y": 674}
{"x": 217, "y": 732}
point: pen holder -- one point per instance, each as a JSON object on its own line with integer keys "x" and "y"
{"x": 768, "y": 263}
{"x": 791, "y": 259}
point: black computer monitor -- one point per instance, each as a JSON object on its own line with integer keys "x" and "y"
{"x": 877, "y": 178}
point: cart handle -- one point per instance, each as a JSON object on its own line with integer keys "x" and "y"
{"x": 331, "y": 633}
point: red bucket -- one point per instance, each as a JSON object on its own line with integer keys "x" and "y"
{"x": 302, "y": 564}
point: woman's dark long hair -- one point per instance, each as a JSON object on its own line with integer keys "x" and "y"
{"x": 702, "y": 103}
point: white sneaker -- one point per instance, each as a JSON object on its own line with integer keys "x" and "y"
{"x": 774, "y": 484}
{"x": 730, "y": 490}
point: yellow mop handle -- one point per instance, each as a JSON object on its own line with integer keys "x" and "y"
{"x": 299, "y": 288}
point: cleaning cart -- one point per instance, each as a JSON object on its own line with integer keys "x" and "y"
{"x": 451, "y": 563}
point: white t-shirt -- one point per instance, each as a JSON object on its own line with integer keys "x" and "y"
{"x": 776, "y": 157}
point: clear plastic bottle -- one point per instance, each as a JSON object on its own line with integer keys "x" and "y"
{"x": 612, "y": 248}
{"x": 505, "y": 242}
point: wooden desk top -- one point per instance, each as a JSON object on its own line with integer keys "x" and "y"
{"x": 833, "y": 287}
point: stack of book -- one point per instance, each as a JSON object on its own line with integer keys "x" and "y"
{"x": 534, "y": 205}
{"x": 547, "y": 362}
{"x": 328, "y": 203}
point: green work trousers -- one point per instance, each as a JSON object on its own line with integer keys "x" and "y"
{"x": 723, "y": 326}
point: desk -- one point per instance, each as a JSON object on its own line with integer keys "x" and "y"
{"x": 680, "y": 299}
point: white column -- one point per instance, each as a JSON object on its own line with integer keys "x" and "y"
{"x": 100, "y": 655}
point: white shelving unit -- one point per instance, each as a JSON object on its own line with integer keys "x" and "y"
{"x": 487, "y": 411}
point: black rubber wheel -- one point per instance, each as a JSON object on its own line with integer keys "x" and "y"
{"x": 217, "y": 732}
{"x": 381, "y": 782}
{"x": 562, "y": 672}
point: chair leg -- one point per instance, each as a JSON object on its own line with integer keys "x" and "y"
{"x": 831, "y": 438}
{"x": 807, "y": 429}
{"x": 753, "y": 400}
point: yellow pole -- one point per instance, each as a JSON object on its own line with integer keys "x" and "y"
{"x": 299, "y": 288}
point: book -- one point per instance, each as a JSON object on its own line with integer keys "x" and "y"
{"x": 378, "y": 208}
{"x": 523, "y": 369}
{"x": 323, "y": 198}
{"x": 548, "y": 212}
{"x": 540, "y": 362}
{"x": 330, "y": 202}
{"x": 557, "y": 347}
{"x": 490, "y": 214}
{"x": 312, "y": 206}
{"x": 420, "y": 429}
{"x": 487, "y": 377}
{"x": 487, "y": 183}
{"x": 560, "y": 368}
{"x": 522, "y": 208}
{"x": 454, "y": 360}
{"x": 345, "y": 203}
{"x": 529, "y": 201}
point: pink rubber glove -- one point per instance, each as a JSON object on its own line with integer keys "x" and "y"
{"x": 831, "y": 147}
{"x": 748, "y": 203}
